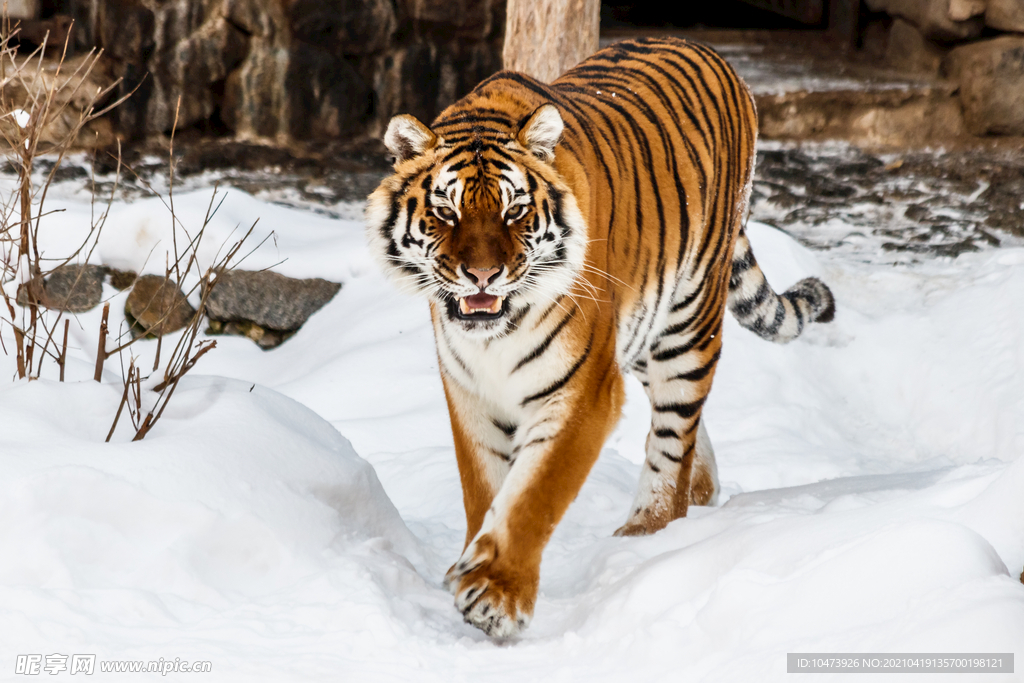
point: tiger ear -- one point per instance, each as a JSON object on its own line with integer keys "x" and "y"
{"x": 541, "y": 132}
{"x": 406, "y": 137}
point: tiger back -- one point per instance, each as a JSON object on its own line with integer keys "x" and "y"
{"x": 564, "y": 234}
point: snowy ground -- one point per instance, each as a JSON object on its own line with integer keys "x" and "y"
{"x": 292, "y": 515}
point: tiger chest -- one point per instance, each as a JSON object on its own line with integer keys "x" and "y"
{"x": 503, "y": 384}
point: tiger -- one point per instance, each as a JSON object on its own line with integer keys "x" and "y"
{"x": 564, "y": 234}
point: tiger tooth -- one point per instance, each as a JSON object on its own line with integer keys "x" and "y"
{"x": 494, "y": 308}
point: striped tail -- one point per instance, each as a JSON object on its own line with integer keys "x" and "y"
{"x": 773, "y": 317}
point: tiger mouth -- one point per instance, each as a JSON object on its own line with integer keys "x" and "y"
{"x": 480, "y": 307}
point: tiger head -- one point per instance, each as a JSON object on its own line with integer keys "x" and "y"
{"x": 476, "y": 217}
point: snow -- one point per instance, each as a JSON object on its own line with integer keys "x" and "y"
{"x": 872, "y": 473}
{"x": 782, "y": 70}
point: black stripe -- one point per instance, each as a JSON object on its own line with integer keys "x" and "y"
{"x": 673, "y": 458}
{"x": 747, "y": 306}
{"x": 687, "y": 301}
{"x": 679, "y": 327}
{"x": 504, "y": 456}
{"x": 539, "y": 351}
{"x": 700, "y": 373}
{"x": 508, "y": 428}
{"x": 458, "y": 359}
{"x": 547, "y": 312}
{"x": 562, "y": 382}
{"x": 517, "y": 317}
{"x": 698, "y": 336}
{"x": 780, "y": 317}
{"x": 683, "y": 410}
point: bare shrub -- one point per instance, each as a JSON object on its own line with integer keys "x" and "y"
{"x": 44, "y": 107}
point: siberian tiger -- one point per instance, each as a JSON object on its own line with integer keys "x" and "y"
{"x": 565, "y": 234}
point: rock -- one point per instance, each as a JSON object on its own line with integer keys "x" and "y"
{"x": 157, "y": 307}
{"x": 75, "y": 89}
{"x": 266, "y": 299}
{"x": 326, "y": 94}
{"x": 890, "y": 118}
{"x": 122, "y": 279}
{"x": 343, "y": 27}
{"x": 447, "y": 19}
{"x": 73, "y": 289}
{"x": 1005, "y": 15}
{"x": 264, "y": 338}
{"x": 908, "y": 50}
{"x": 22, "y": 9}
{"x": 962, "y": 10}
{"x": 874, "y": 38}
{"x": 124, "y": 29}
{"x": 932, "y": 18}
{"x": 423, "y": 78}
{"x": 192, "y": 68}
{"x": 991, "y": 77}
{"x": 55, "y": 31}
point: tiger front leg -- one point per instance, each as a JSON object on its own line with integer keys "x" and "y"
{"x": 495, "y": 580}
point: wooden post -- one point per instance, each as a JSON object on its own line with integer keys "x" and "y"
{"x": 546, "y": 38}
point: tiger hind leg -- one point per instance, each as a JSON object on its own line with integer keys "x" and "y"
{"x": 704, "y": 477}
{"x": 655, "y": 504}
{"x": 679, "y": 469}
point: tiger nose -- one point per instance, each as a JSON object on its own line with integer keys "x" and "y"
{"x": 482, "y": 277}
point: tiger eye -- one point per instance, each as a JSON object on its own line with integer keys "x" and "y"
{"x": 516, "y": 212}
{"x": 444, "y": 213}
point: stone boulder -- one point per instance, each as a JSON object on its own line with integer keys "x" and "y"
{"x": 122, "y": 279}
{"x": 1005, "y": 15}
{"x": 75, "y": 289}
{"x": 962, "y": 10}
{"x": 156, "y": 307}
{"x": 265, "y": 306}
{"x": 908, "y": 49}
{"x": 991, "y": 78}
{"x": 72, "y": 288}
{"x": 935, "y": 18}
{"x": 22, "y": 9}
{"x": 76, "y": 88}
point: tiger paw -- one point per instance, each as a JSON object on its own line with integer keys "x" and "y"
{"x": 492, "y": 595}
{"x": 645, "y": 521}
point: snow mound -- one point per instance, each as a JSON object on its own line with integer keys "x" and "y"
{"x": 238, "y": 499}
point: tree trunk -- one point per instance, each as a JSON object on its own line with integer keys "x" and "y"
{"x": 546, "y": 38}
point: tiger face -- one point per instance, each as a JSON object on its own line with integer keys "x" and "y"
{"x": 480, "y": 222}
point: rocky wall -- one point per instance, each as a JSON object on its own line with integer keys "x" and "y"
{"x": 288, "y": 70}
{"x": 977, "y": 44}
